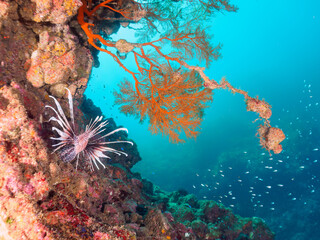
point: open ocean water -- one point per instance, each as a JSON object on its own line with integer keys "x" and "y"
{"x": 271, "y": 50}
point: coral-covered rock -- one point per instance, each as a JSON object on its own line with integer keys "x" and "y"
{"x": 59, "y": 90}
{"x": 16, "y": 44}
{"x": 4, "y": 11}
{"x": 49, "y": 53}
{"x": 271, "y": 137}
{"x": 54, "y": 62}
{"x": 56, "y": 12}
{"x": 43, "y": 198}
{"x": 210, "y": 220}
{"x": 259, "y": 106}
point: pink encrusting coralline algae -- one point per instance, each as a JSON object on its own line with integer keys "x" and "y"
{"x": 90, "y": 144}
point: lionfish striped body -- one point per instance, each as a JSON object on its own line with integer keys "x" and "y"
{"x": 90, "y": 143}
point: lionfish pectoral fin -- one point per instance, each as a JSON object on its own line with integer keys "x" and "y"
{"x": 68, "y": 153}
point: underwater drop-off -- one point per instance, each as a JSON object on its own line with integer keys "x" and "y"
{"x": 48, "y": 46}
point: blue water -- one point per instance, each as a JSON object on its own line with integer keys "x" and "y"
{"x": 271, "y": 50}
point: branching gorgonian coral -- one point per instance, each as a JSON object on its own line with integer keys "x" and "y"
{"x": 90, "y": 144}
{"x": 167, "y": 90}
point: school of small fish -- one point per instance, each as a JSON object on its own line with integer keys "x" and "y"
{"x": 270, "y": 182}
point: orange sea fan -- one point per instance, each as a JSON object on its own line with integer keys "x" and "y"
{"x": 167, "y": 91}
{"x": 173, "y": 101}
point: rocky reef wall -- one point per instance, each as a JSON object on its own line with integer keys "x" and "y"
{"x": 42, "y": 197}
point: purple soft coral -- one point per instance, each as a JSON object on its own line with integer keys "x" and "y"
{"x": 90, "y": 143}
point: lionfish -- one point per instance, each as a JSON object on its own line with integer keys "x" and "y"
{"x": 90, "y": 143}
